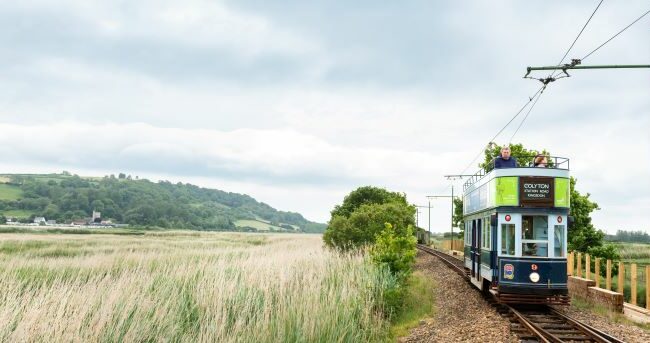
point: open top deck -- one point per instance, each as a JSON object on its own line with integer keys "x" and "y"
{"x": 523, "y": 186}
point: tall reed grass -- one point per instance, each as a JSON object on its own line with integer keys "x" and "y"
{"x": 186, "y": 287}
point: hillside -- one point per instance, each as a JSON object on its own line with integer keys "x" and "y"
{"x": 66, "y": 198}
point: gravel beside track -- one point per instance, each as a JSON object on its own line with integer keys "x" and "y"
{"x": 624, "y": 331}
{"x": 462, "y": 315}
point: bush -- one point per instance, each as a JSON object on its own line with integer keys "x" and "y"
{"x": 395, "y": 250}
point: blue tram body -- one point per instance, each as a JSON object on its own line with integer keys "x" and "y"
{"x": 516, "y": 232}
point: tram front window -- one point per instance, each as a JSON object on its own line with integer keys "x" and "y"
{"x": 534, "y": 236}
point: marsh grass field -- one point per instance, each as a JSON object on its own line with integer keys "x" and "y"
{"x": 185, "y": 286}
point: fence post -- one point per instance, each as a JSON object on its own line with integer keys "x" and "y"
{"x": 579, "y": 264}
{"x": 597, "y": 272}
{"x": 587, "y": 267}
{"x": 647, "y": 287}
{"x": 608, "y": 279}
{"x": 569, "y": 265}
{"x": 633, "y": 280}
{"x": 621, "y": 278}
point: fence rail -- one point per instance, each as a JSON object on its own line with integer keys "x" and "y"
{"x": 639, "y": 296}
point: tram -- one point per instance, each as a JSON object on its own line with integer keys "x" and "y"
{"x": 516, "y": 232}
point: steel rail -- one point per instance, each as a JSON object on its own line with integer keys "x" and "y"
{"x": 597, "y": 335}
{"x": 533, "y": 328}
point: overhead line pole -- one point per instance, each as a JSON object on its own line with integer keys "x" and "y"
{"x": 418, "y": 211}
{"x": 452, "y": 209}
{"x": 449, "y": 177}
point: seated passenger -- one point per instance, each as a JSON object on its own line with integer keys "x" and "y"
{"x": 540, "y": 161}
{"x": 505, "y": 160}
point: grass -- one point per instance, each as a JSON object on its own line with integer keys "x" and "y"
{"x": 10, "y": 192}
{"x": 419, "y": 303}
{"x": 186, "y": 287}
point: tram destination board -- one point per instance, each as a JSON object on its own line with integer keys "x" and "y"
{"x": 536, "y": 191}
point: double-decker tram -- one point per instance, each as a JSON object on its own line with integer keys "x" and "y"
{"x": 516, "y": 232}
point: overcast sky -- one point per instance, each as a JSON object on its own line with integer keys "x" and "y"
{"x": 298, "y": 102}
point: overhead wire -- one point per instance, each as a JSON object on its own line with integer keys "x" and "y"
{"x": 614, "y": 36}
{"x": 576, "y": 39}
{"x": 527, "y": 114}
{"x": 530, "y": 99}
{"x": 535, "y": 98}
{"x": 580, "y": 33}
{"x": 553, "y": 74}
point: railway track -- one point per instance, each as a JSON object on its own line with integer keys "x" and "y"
{"x": 534, "y": 323}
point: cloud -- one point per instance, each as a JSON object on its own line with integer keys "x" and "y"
{"x": 298, "y": 102}
{"x": 262, "y": 156}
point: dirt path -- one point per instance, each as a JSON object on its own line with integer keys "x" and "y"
{"x": 461, "y": 313}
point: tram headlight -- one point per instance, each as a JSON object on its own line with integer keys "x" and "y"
{"x": 534, "y": 277}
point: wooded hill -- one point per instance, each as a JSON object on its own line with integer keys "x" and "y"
{"x": 65, "y": 198}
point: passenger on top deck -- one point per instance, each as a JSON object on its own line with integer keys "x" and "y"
{"x": 505, "y": 160}
{"x": 540, "y": 161}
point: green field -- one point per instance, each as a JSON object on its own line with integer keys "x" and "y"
{"x": 639, "y": 254}
{"x": 186, "y": 286}
{"x": 634, "y": 252}
{"x": 258, "y": 225}
{"x": 10, "y": 192}
{"x": 17, "y": 213}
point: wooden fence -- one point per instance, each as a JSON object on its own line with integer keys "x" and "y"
{"x": 575, "y": 268}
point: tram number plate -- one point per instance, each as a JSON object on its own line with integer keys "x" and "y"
{"x": 508, "y": 271}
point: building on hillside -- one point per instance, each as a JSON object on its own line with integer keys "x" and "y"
{"x": 97, "y": 217}
{"x": 40, "y": 221}
{"x": 51, "y": 222}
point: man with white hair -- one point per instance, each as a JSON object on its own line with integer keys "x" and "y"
{"x": 505, "y": 160}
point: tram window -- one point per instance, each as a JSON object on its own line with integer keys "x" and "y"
{"x": 507, "y": 239}
{"x": 534, "y": 249}
{"x": 487, "y": 238}
{"x": 559, "y": 240}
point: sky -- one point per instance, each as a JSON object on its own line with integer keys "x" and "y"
{"x": 297, "y": 103}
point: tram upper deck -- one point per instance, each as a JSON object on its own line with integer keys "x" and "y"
{"x": 520, "y": 187}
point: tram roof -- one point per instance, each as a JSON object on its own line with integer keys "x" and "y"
{"x": 558, "y": 167}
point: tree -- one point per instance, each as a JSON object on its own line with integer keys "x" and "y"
{"x": 583, "y": 236}
{"x": 367, "y": 195}
{"x": 363, "y": 215}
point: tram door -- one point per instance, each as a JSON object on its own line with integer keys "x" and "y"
{"x": 476, "y": 265}
{"x": 475, "y": 249}
{"x": 471, "y": 248}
